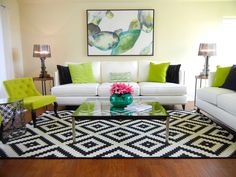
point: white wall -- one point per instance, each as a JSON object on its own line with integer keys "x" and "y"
{"x": 179, "y": 28}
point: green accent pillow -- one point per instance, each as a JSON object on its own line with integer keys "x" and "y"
{"x": 120, "y": 77}
{"x": 81, "y": 73}
{"x": 157, "y": 72}
{"x": 220, "y": 76}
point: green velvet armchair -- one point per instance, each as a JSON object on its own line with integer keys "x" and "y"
{"x": 24, "y": 88}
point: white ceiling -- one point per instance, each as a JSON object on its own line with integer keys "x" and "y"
{"x": 56, "y": 1}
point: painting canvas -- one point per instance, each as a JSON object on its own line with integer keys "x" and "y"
{"x": 120, "y": 32}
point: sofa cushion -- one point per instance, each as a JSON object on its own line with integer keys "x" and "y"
{"x": 82, "y": 73}
{"x": 157, "y": 72}
{"x": 161, "y": 89}
{"x": 108, "y": 67}
{"x": 143, "y": 69}
{"x": 88, "y": 89}
{"x": 210, "y": 94}
{"x": 120, "y": 77}
{"x": 104, "y": 88}
{"x": 144, "y": 66}
{"x": 96, "y": 66}
{"x": 64, "y": 74}
{"x": 220, "y": 76}
{"x": 227, "y": 102}
{"x": 230, "y": 82}
{"x": 172, "y": 74}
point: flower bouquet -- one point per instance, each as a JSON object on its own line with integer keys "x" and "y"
{"x": 121, "y": 94}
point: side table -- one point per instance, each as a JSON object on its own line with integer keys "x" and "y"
{"x": 200, "y": 78}
{"x": 12, "y": 115}
{"x": 44, "y": 84}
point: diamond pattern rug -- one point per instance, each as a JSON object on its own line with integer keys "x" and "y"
{"x": 192, "y": 135}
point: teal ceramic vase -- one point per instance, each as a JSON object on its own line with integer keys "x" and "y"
{"x": 121, "y": 100}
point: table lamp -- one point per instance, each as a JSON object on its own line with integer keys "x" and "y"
{"x": 42, "y": 51}
{"x": 206, "y": 50}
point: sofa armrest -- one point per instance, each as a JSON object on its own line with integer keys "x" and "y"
{"x": 211, "y": 78}
{"x": 182, "y": 77}
{"x": 56, "y": 79}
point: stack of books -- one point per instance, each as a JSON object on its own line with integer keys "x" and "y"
{"x": 138, "y": 107}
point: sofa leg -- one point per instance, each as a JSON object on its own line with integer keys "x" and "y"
{"x": 183, "y": 106}
{"x": 33, "y": 114}
{"x": 198, "y": 110}
{"x": 55, "y": 109}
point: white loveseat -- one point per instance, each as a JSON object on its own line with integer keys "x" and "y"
{"x": 220, "y": 103}
{"x": 166, "y": 93}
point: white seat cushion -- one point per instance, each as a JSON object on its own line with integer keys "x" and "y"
{"x": 227, "y": 102}
{"x": 143, "y": 69}
{"x": 104, "y": 88}
{"x": 162, "y": 89}
{"x": 210, "y": 94}
{"x": 88, "y": 89}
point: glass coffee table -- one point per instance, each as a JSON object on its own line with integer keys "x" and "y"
{"x": 101, "y": 108}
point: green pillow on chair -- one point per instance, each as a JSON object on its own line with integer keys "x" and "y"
{"x": 220, "y": 76}
{"x": 81, "y": 73}
{"x": 157, "y": 72}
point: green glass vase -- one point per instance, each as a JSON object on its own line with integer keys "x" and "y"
{"x": 121, "y": 100}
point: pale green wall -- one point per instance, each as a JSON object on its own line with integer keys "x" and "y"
{"x": 179, "y": 28}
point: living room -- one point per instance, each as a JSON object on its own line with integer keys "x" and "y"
{"x": 179, "y": 28}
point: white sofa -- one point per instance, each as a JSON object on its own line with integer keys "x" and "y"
{"x": 220, "y": 103}
{"x": 166, "y": 93}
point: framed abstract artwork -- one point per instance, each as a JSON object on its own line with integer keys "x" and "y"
{"x": 113, "y": 32}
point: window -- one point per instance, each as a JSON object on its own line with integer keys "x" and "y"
{"x": 6, "y": 64}
{"x": 2, "y": 55}
{"x": 227, "y": 45}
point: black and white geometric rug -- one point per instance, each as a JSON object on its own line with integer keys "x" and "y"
{"x": 191, "y": 136}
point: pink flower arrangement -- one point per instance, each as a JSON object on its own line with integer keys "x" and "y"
{"x": 121, "y": 88}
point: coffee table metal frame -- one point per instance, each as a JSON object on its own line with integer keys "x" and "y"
{"x": 118, "y": 117}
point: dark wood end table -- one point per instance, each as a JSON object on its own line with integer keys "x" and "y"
{"x": 43, "y": 83}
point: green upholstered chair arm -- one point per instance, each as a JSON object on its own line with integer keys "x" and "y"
{"x": 21, "y": 88}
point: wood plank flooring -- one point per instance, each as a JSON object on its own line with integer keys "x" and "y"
{"x": 118, "y": 167}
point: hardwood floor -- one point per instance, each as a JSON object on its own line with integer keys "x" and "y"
{"x": 147, "y": 167}
{"x": 118, "y": 168}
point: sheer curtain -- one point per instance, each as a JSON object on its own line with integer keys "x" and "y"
{"x": 6, "y": 63}
{"x": 228, "y": 41}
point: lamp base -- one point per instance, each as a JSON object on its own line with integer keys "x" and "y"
{"x": 43, "y": 73}
{"x": 205, "y": 71}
